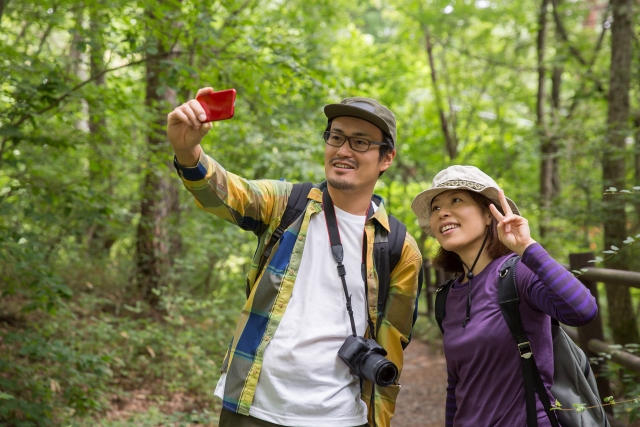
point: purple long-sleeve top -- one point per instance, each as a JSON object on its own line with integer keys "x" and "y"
{"x": 485, "y": 384}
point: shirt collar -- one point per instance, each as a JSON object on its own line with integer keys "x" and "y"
{"x": 380, "y": 215}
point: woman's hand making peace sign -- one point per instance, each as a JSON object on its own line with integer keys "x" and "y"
{"x": 513, "y": 230}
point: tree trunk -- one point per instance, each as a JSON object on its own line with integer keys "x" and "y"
{"x": 636, "y": 157}
{"x": 545, "y": 164}
{"x": 618, "y": 297}
{"x": 101, "y": 166}
{"x": 159, "y": 190}
{"x": 450, "y": 138}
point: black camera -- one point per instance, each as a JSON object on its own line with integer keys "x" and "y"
{"x": 366, "y": 358}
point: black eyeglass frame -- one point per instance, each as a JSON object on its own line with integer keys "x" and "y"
{"x": 327, "y": 134}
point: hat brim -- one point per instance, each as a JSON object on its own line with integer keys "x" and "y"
{"x": 421, "y": 204}
{"x": 339, "y": 110}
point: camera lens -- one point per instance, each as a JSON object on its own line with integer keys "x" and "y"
{"x": 387, "y": 374}
{"x": 376, "y": 368}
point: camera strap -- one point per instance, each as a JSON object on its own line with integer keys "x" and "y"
{"x": 338, "y": 253}
{"x": 338, "y": 256}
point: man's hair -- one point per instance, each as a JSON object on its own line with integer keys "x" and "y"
{"x": 450, "y": 262}
{"x": 384, "y": 149}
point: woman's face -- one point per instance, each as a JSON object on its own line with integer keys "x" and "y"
{"x": 458, "y": 222}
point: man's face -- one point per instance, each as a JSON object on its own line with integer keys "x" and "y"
{"x": 347, "y": 169}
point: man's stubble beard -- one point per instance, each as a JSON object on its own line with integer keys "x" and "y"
{"x": 341, "y": 184}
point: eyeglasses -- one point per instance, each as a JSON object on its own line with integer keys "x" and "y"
{"x": 355, "y": 142}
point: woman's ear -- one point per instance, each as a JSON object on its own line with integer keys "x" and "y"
{"x": 489, "y": 217}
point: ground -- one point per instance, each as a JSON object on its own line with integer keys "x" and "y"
{"x": 422, "y": 396}
{"x": 420, "y": 402}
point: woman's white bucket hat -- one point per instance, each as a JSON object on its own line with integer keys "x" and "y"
{"x": 456, "y": 177}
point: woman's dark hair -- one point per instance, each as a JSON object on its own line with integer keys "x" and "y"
{"x": 450, "y": 262}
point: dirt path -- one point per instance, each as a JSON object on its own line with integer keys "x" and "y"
{"x": 423, "y": 393}
{"x": 420, "y": 402}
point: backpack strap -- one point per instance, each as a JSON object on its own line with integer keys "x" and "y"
{"x": 441, "y": 302}
{"x": 386, "y": 255}
{"x": 296, "y": 204}
{"x": 509, "y": 305}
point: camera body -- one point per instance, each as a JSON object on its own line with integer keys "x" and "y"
{"x": 366, "y": 359}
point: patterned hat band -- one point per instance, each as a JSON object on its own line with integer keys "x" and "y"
{"x": 460, "y": 183}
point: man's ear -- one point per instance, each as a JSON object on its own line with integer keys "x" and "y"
{"x": 387, "y": 160}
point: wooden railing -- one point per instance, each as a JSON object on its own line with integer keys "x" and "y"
{"x": 590, "y": 337}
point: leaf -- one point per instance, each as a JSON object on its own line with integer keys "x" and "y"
{"x": 637, "y": 236}
{"x": 5, "y": 396}
{"x": 625, "y": 191}
{"x": 612, "y": 189}
{"x": 580, "y": 407}
{"x": 629, "y": 240}
{"x": 584, "y": 270}
{"x": 608, "y": 252}
{"x": 615, "y": 248}
{"x": 124, "y": 335}
{"x": 576, "y": 271}
{"x": 636, "y": 188}
{"x": 151, "y": 352}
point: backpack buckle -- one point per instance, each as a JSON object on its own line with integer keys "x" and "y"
{"x": 525, "y": 350}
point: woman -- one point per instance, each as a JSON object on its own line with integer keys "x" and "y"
{"x": 478, "y": 229}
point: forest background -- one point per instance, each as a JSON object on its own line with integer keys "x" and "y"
{"x": 113, "y": 284}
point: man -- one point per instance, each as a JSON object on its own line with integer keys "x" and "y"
{"x": 282, "y": 368}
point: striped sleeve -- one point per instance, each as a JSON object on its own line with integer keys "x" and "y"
{"x": 450, "y": 408}
{"x": 250, "y": 204}
{"x": 557, "y": 292}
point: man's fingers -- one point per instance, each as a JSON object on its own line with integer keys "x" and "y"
{"x": 178, "y": 116}
{"x": 204, "y": 91}
{"x": 496, "y": 213}
{"x": 197, "y": 109}
{"x": 205, "y": 128}
{"x": 188, "y": 111}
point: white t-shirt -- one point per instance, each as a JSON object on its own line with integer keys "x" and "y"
{"x": 303, "y": 382}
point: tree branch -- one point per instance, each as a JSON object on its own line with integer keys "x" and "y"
{"x": 91, "y": 79}
{"x": 596, "y": 50}
{"x": 574, "y": 51}
{"x": 451, "y": 143}
{"x": 3, "y": 4}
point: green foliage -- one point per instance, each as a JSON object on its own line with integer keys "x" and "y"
{"x": 75, "y": 126}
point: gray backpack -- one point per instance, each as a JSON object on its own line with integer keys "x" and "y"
{"x": 573, "y": 380}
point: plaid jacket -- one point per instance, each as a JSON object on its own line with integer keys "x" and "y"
{"x": 258, "y": 205}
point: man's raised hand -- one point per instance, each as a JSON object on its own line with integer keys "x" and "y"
{"x": 185, "y": 129}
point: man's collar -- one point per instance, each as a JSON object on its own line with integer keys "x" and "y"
{"x": 380, "y": 215}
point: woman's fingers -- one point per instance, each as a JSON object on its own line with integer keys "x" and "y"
{"x": 496, "y": 213}
{"x": 505, "y": 205}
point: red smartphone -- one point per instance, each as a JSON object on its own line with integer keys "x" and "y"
{"x": 218, "y": 105}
